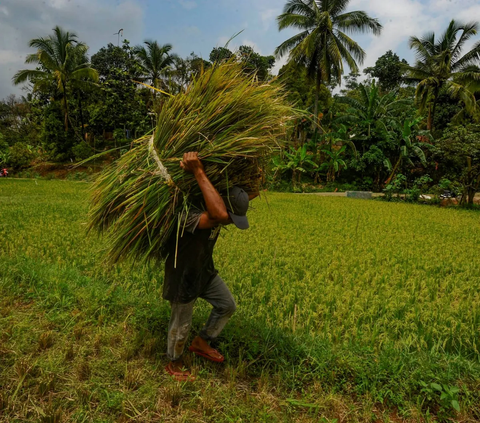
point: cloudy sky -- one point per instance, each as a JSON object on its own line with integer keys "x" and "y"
{"x": 200, "y": 25}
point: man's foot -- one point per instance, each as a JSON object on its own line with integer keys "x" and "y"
{"x": 200, "y": 347}
{"x": 179, "y": 371}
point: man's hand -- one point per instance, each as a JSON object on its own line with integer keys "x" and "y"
{"x": 191, "y": 163}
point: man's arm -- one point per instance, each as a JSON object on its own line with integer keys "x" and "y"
{"x": 216, "y": 210}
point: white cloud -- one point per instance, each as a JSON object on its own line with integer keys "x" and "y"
{"x": 467, "y": 14}
{"x": 94, "y": 21}
{"x": 279, "y": 63}
{"x": 268, "y": 17}
{"x": 58, "y": 4}
{"x": 187, "y": 4}
{"x": 10, "y": 56}
{"x": 250, "y": 43}
{"x": 400, "y": 19}
{"x": 451, "y": 7}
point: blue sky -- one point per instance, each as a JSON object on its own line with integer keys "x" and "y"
{"x": 200, "y": 25}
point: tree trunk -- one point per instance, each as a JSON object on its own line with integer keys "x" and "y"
{"x": 80, "y": 109}
{"x": 434, "y": 106}
{"x": 377, "y": 180}
{"x": 318, "y": 83}
{"x": 431, "y": 111}
{"x": 317, "y": 94}
{"x": 429, "y": 119}
{"x": 65, "y": 103}
{"x": 471, "y": 195}
{"x": 394, "y": 170}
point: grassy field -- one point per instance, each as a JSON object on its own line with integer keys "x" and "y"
{"x": 348, "y": 310}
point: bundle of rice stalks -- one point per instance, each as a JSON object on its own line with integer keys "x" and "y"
{"x": 233, "y": 123}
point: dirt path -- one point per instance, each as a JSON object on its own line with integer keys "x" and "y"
{"x": 336, "y": 194}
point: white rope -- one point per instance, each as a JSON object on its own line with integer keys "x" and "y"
{"x": 162, "y": 170}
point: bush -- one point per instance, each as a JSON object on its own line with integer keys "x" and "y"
{"x": 395, "y": 187}
{"x": 420, "y": 186}
{"x": 4, "y": 151}
{"x": 364, "y": 184}
{"x": 21, "y": 155}
{"x": 82, "y": 151}
{"x": 28, "y": 174}
{"x": 448, "y": 188}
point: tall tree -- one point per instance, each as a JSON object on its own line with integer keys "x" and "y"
{"x": 441, "y": 67}
{"x": 220, "y": 54}
{"x": 117, "y": 104}
{"x": 323, "y": 44}
{"x": 185, "y": 70}
{"x": 253, "y": 62}
{"x": 156, "y": 60}
{"x": 388, "y": 69}
{"x": 63, "y": 60}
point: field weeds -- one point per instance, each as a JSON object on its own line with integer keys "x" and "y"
{"x": 348, "y": 310}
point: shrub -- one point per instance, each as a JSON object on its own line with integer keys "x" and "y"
{"x": 4, "y": 151}
{"x": 420, "y": 186}
{"x": 21, "y": 155}
{"x": 395, "y": 187}
{"x": 82, "y": 151}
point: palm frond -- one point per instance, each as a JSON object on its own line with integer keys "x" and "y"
{"x": 291, "y": 43}
{"x": 27, "y": 75}
{"x": 358, "y": 22}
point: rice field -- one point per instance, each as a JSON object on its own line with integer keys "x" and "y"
{"x": 348, "y": 310}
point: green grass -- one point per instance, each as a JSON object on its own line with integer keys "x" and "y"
{"x": 348, "y": 310}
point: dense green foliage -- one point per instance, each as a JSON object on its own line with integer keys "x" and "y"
{"x": 342, "y": 305}
{"x": 442, "y": 68}
{"x": 388, "y": 70}
{"x": 63, "y": 67}
{"x": 459, "y": 150}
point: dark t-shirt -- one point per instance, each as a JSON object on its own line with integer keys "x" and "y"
{"x": 189, "y": 266}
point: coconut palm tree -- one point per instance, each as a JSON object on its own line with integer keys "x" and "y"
{"x": 440, "y": 66}
{"x": 63, "y": 61}
{"x": 155, "y": 60}
{"x": 323, "y": 44}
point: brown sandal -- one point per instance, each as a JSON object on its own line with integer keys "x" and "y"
{"x": 207, "y": 355}
{"x": 184, "y": 376}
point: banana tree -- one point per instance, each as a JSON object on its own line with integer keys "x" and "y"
{"x": 329, "y": 155}
{"x": 297, "y": 160}
{"x": 408, "y": 146}
{"x": 334, "y": 162}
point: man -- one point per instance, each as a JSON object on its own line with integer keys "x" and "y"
{"x": 190, "y": 272}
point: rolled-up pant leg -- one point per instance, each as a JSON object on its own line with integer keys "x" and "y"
{"x": 220, "y": 297}
{"x": 178, "y": 329}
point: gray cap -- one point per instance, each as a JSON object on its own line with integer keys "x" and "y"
{"x": 237, "y": 206}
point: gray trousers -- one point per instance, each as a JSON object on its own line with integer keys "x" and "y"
{"x": 220, "y": 297}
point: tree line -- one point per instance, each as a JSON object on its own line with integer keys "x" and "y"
{"x": 404, "y": 127}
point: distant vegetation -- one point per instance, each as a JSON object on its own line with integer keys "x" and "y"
{"x": 402, "y": 119}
